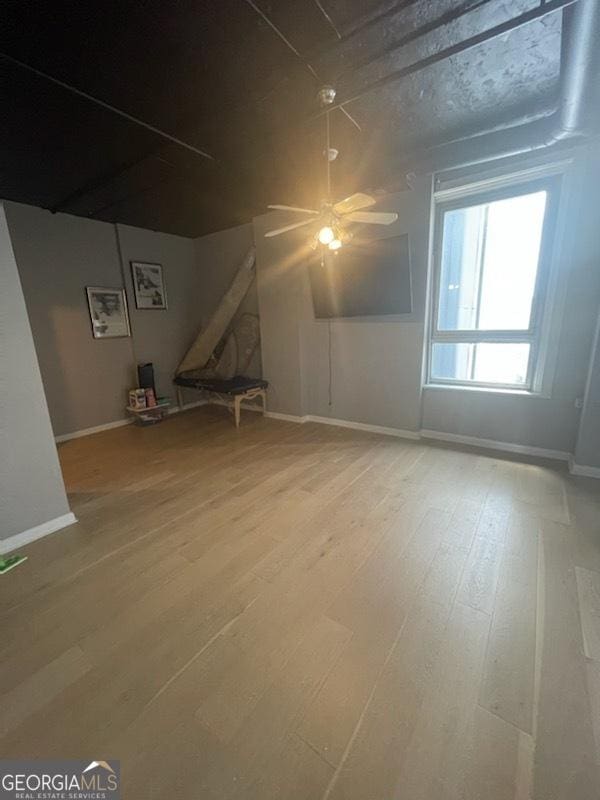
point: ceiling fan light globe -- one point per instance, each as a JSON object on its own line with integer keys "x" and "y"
{"x": 335, "y": 244}
{"x": 326, "y": 235}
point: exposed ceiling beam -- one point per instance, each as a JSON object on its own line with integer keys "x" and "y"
{"x": 118, "y": 111}
{"x": 283, "y": 38}
{"x": 327, "y": 16}
{"x": 100, "y": 181}
{"x": 444, "y": 19}
{"x": 539, "y": 12}
{"x": 394, "y": 9}
{"x": 302, "y": 60}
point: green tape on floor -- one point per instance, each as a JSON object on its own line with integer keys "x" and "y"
{"x": 8, "y": 563}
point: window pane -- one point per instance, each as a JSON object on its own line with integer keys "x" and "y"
{"x": 485, "y": 362}
{"x": 489, "y": 264}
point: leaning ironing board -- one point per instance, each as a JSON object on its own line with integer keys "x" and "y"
{"x": 239, "y": 388}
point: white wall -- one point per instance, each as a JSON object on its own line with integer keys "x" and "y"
{"x": 32, "y": 492}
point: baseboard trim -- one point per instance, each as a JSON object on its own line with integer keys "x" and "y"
{"x": 119, "y": 423}
{"x": 345, "y": 423}
{"x": 363, "y": 426}
{"x": 491, "y": 444}
{"x": 286, "y": 417}
{"x": 583, "y": 470}
{"x": 31, "y": 535}
{"x": 65, "y": 437}
{"x": 399, "y": 433}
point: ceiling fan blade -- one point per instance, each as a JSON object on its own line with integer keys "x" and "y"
{"x": 294, "y": 208}
{"x": 287, "y": 228}
{"x": 354, "y": 202}
{"x": 372, "y": 217}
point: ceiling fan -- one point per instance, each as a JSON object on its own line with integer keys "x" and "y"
{"x": 332, "y": 217}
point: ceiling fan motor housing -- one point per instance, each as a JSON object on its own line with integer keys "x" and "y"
{"x": 326, "y": 95}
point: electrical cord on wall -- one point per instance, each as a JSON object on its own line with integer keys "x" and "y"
{"x": 122, "y": 269}
{"x": 330, "y": 367}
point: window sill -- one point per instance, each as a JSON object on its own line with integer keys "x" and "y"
{"x": 485, "y": 390}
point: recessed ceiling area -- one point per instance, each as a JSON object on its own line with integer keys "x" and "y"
{"x": 237, "y": 80}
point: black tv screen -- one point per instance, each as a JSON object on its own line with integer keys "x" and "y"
{"x": 369, "y": 279}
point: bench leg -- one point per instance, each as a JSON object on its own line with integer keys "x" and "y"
{"x": 237, "y": 401}
{"x": 263, "y": 397}
{"x": 179, "y": 398}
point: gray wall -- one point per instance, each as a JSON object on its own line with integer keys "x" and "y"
{"x": 218, "y": 257}
{"x": 31, "y": 486}
{"x": 587, "y": 450}
{"x": 162, "y": 337}
{"x": 550, "y": 422}
{"x": 376, "y": 362}
{"x": 281, "y": 299}
{"x": 86, "y": 379}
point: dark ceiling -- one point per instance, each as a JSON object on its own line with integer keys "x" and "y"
{"x": 238, "y": 80}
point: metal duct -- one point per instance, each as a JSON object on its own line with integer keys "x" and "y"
{"x": 581, "y": 70}
{"x": 580, "y": 88}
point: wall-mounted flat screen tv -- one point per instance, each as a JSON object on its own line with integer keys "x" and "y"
{"x": 367, "y": 279}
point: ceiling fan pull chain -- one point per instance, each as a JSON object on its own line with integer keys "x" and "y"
{"x": 327, "y": 151}
{"x": 333, "y": 215}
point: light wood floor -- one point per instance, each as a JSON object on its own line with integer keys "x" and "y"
{"x": 309, "y": 612}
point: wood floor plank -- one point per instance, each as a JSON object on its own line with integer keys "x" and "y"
{"x": 497, "y": 759}
{"x": 269, "y": 631}
{"x": 584, "y": 508}
{"x": 565, "y": 757}
{"x": 372, "y": 764}
{"x": 478, "y": 588}
{"x": 542, "y": 492}
{"x": 98, "y": 706}
{"x": 309, "y": 612}
{"x": 436, "y": 760}
{"x": 383, "y": 590}
{"x": 259, "y": 739}
{"x": 296, "y": 773}
{"x": 588, "y": 590}
{"x": 32, "y": 694}
{"x": 508, "y": 683}
{"x": 593, "y": 682}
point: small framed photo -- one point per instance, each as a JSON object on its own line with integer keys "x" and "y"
{"x": 148, "y": 285}
{"x": 108, "y": 312}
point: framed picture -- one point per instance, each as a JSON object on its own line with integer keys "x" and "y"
{"x": 108, "y": 312}
{"x": 148, "y": 285}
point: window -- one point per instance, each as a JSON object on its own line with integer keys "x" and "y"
{"x": 491, "y": 270}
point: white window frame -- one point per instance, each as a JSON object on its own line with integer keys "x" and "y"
{"x": 534, "y": 335}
